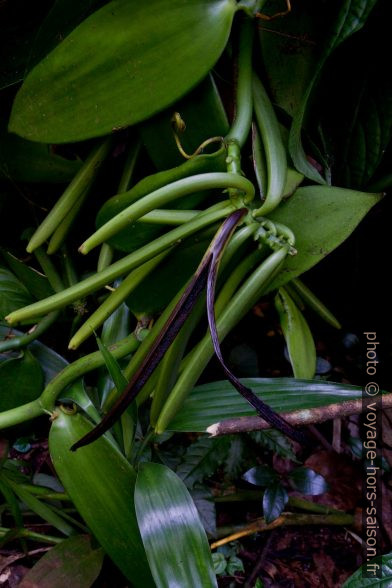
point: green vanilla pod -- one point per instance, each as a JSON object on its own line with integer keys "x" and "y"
{"x": 114, "y": 300}
{"x": 164, "y": 195}
{"x": 75, "y": 190}
{"x": 197, "y": 165}
{"x": 120, "y": 267}
{"x": 169, "y": 331}
{"x": 100, "y": 482}
{"x": 275, "y": 154}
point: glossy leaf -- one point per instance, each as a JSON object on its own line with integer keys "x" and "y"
{"x": 321, "y": 217}
{"x": 72, "y": 558}
{"x": 24, "y": 161}
{"x": 100, "y": 482}
{"x": 13, "y": 294}
{"x": 50, "y": 361}
{"x": 214, "y": 402}
{"x": 308, "y": 481}
{"x": 35, "y": 282}
{"x": 145, "y": 62}
{"x": 175, "y": 541}
{"x": 352, "y": 16}
{"x": 260, "y": 476}
{"x": 21, "y": 381}
{"x": 290, "y": 56}
{"x": 299, "y": 340}
{"x": 275, "y": 499}
{"x": 62, "y": 18}
{"x": 357, "y": 580}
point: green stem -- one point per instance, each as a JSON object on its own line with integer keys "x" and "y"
{"x": 114, "y": 300}
{"x": 34, "y": 333}
{"x": 239, "y": 130}
{"x": 21, "y": 414}
{"x": 82, "y": 180}
{"x": 122, "y": 266}
{"x": 80, "y": 367}
{"x": 244, "y": 299}
{"x": 163, "y": 196}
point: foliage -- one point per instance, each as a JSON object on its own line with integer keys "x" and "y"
{"x": 117, "y": 132}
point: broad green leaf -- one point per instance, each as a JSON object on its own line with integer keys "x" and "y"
{"x": 149, "y": 56}
{"x": 73, "y": 558}
{"x": 290, "y": 56}
{"x": 357, "y": 580}
{"x": 201, "y": 459}
{"x": 260, "y": 476}
{"x": 299, "y": 340}
{"x": 275, "y": 499}
{"x": 21, "y": 381}
{"x": 50, "y": 361}
{"x": 321, "y": 217}
{"x": 36, "y": 283}
{"x": 100, "y": 482}
{"x": 204, "y": 116}
{"x": 308, "y": 481}
{"x": 63, "y": 17}
{"x": 13, "y": 294}
{"x": 24, "y": 161}
{"x": 214, "y": 402}
{"x": 352, "y": 16}
{"x": 173, "y": 536}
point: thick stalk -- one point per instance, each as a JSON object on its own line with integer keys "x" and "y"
{"x": 36, "y": 331}
{"x": 163, "y": 196}
{"x": 82, "y": 366}
{"x": 122, "y": 266}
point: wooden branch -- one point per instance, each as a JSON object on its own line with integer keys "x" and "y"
{"x": 307, "y": 416}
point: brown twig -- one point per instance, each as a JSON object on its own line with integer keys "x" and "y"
{"x": 298, "y": 417}
{"x": 286, "y": 519}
